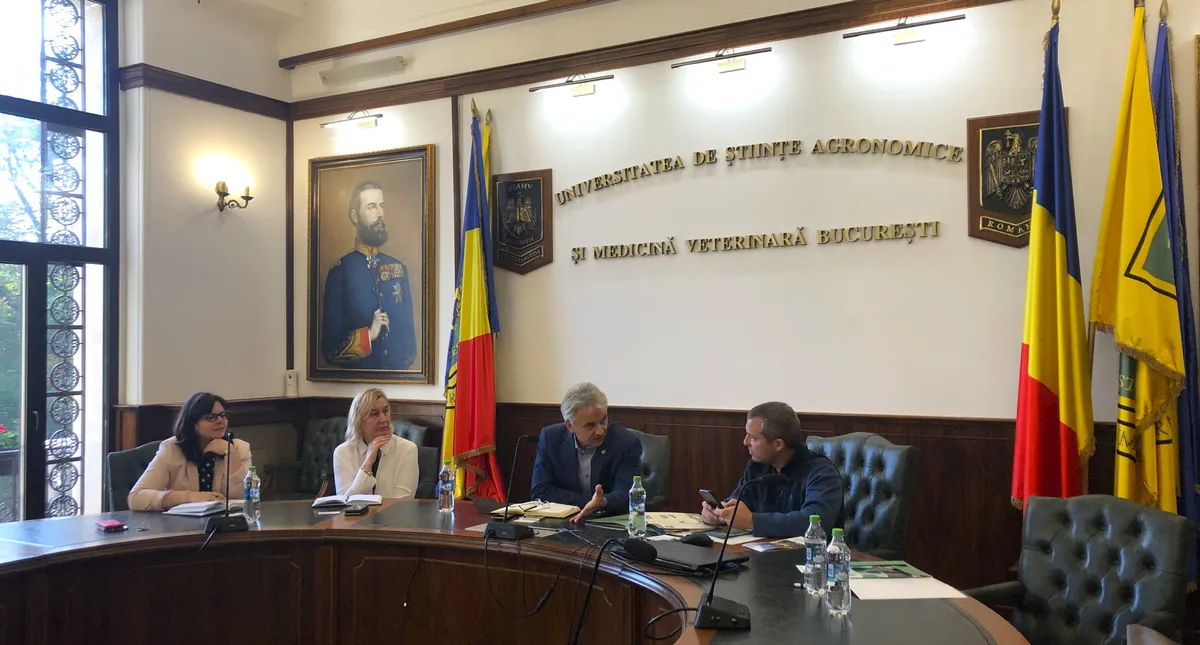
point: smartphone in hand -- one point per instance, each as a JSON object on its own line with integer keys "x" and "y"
{"x": 707, "y": 496}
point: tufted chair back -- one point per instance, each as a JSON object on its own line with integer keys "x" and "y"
{"x": 654, "y": 467}
{"x": 1095, "y": 564}
{"x": 412, "y": 431}
{"x": 877, "y": 487}
{"x": 125, "y": 467}
{"x": 316, "y": 455}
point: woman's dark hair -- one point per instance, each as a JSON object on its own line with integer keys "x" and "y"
{"x": 200, "y": 404}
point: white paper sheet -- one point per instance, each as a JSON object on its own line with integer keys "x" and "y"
{"x": 902, "y": 588}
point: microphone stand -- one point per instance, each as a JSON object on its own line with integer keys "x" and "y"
{"x": 715, "y": 612}
{"x": 502, "y": 530}
{"x": 225, "y": 523}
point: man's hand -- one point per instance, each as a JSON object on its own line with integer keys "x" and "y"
{"x": 378, "y": 323}
{"x": 597, "y": 503}
{"x": 745, "y": 517}
{"x": 710, "y": 515}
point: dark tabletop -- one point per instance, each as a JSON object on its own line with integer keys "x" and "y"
{"x": 780, "y": 612}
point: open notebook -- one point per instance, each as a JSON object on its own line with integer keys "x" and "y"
{"x": 538, "y": 508}
{"x": 202, "y": 509}
{"x": 343, "y": 500}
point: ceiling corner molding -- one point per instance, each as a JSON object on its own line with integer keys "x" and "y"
{"x": 807, "y": 22}
{"x": 165, "y": 80}
{"x": 492, "y": 19}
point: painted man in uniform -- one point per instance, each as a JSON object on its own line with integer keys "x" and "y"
{"x": 367, "y": 320}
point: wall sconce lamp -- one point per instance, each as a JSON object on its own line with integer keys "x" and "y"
{"x": 727, "y": 60}
{"x": 904, "y": 25}
{"x": 223, "y": 192}
{"x": 359, "y": 119}
{"x": 581, "y": 85}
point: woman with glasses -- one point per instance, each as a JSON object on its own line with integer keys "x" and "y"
{"x": 191, "y": 466}
{"x": 373, "y": 459}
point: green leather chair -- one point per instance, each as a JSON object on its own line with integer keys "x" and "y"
{"x": 306, "y": 477}
{"x": 123, "y": 468}
{"x": 655, "y": 467}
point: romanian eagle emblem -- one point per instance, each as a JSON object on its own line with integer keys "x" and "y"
{"x": 1008, "y": 169}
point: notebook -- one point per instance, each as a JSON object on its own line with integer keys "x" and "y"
{"x": 202, "y": 509}
{"x": 343, "y": 500}
{"x": 538, "y": 508}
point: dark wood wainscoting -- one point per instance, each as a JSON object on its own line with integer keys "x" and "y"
{"x": 964, "y": 528}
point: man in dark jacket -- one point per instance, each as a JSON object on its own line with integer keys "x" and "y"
{"x": 586, "y": 461}
{"x": 814, "y": 486}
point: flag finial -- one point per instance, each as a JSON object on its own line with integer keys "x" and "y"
{"x": 1139, "y": 3}
{"x": 1055, "y": 5}
{"x": 474, "y": 110}
{"x": 1162, "y": 11}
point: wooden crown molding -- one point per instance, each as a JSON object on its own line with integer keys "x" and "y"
{"x": 445, "y": 29}
{"x": 157, "y": 78}
{"x": 796, "y": 24}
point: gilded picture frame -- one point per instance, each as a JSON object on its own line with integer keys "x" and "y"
{"x": 372, "y": 267}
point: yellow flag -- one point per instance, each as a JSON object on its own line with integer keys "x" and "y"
{"x": 1133, "y": 294}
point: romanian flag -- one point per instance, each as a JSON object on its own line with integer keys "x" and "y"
{"x": 1134, "y": 296}
{"x": 469, "y": 440}
{"x": 1054, "y": 400}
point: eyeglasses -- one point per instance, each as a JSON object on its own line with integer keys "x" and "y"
{"x": 212, "y": 418}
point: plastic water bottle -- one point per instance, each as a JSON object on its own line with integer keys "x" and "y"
{"x": 837, "y": 575}
{"x": 637, "y": 509}
{"x": 814, "y": 556}
{"x": 252, "y": 502}
{"x": 446, "y": 488}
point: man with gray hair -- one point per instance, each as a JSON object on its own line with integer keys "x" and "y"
{"x": 586, "y": 461}
{"x": 814, "y": 486}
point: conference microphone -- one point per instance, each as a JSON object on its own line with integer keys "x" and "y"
{"x": 722, "y": 613}
{"x": 502, "y": 530}
{"x": 225, "y": 523}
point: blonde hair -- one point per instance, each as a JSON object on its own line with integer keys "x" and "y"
{"x": 360, "y": 407}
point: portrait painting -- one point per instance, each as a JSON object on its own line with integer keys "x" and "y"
{"x": 371, "y": 267}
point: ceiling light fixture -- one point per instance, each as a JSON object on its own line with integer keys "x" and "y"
{"x": 904, "y": 24}
{"x": 582, "y": 84}
{"x": 723, "y": 59}
{"x": 359, "y": 119}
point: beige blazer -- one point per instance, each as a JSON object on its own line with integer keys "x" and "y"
{"x": 171, "y": 478}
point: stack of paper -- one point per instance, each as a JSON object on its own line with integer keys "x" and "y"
{"x": 201, "y": 509}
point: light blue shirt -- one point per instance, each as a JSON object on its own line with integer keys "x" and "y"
{"x": 585, "y": 454}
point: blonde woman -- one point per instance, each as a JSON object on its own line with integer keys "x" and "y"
{"x": 372, "y": 459}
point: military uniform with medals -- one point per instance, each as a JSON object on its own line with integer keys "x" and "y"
{"x": 362, "y": 281}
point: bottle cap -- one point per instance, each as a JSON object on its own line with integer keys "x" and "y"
{"x": 837, "y": 532}
{"x": 253, "y": 469}
{"x": 446, "y": 462}
{"x": 814, "y": 518}
{"x": 637, "y": 478}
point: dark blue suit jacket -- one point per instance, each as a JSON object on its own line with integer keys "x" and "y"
{"x": 354, "y": 288}
{"x": 556, "y": 471}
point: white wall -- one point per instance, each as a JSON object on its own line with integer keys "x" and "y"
{"x": 220, "y": 41}
{"x": 333, "y": 22}
{"x": 932, "y": 328}
{"x": 203, "y": 291}
{"x": 408, "y": 125}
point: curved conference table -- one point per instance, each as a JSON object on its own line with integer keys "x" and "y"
{"x": 403, "y": 573}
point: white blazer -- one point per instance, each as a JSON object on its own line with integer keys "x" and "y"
{"x": 397, "y": 475}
